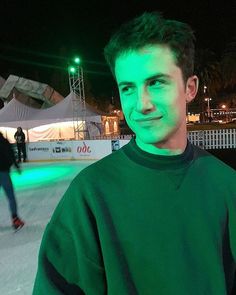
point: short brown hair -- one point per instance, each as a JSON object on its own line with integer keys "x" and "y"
{"x": 151, "y": 28}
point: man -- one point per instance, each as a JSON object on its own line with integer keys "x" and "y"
{"x": 20, "y": 142}
{"x": 7, "y": 158}
{"x": 157, "y": 216}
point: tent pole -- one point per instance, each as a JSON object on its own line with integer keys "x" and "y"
{"x": 27, "y": 133}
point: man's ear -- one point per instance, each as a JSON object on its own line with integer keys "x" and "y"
{"x": 191, "y": 88}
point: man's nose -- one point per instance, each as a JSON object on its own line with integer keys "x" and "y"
{"x": 144, "y": 102}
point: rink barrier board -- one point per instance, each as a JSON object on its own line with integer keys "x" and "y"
{"x": 72, "y": 150}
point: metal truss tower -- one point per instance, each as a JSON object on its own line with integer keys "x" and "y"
{"x": 76, "y": 81}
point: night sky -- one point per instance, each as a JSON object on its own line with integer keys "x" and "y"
{"x": 38, "y": 37}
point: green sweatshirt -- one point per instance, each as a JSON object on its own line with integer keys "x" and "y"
{"x": 136, "y": 223}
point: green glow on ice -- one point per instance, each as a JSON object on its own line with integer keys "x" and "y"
{"x": 40, "y": 176}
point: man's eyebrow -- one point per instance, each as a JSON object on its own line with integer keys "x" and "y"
{"x": 156, "y": 76}
{"x": 125, "y": 83}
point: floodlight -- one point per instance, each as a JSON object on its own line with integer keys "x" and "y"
{"x": 72, "y": 69}
{"x": 77, "y": 60}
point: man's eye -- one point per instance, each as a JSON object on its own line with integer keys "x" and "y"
{"x": 156, "y": 83}
{"x": 127, "y": 89}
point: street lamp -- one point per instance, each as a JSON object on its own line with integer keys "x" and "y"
{"x": 208, "y": 106}
{"x": 224, "y": 107}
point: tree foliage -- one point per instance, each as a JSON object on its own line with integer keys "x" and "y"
{"x": 228, "y": 65}
{"x": 208, "y": 70}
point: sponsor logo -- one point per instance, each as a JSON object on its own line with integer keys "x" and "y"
{"x": 115, "y": 145}
{"x": 40, "y": 149}
{"x": 85, "y": 149}
{"x": 59, "y": 149}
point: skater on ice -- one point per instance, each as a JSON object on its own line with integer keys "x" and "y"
{"x": 7, "y": 159}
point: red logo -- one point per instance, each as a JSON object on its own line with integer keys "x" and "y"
{"x": 83, "y": 149}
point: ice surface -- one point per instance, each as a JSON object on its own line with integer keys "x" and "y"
{"x": 19, "y": 251}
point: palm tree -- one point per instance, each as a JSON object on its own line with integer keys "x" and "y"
{"x": 208, "y": 70}
{"x": 228, "y": 64}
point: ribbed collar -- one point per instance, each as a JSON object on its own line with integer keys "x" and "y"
{"x": 156, "y": 161}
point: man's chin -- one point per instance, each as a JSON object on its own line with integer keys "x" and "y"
{"x": 154, "y": 139}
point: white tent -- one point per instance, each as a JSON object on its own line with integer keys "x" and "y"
{"x": 64, "y": 111}
{"x": 16, "y": 114}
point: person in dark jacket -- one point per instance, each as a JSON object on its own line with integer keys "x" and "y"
{"x": 7, "y": 159}
{"x": 20, "y": 142}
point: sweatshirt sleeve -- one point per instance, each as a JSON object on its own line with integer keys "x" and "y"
{"x": 70, "y": 260}
{"x": 231, "y": 205}
{"x": 232, "y": 232}
{"x": 232, "y": 223}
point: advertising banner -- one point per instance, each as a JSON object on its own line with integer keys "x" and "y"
{"x": 61, "y": 150}
{"x": 38, "y": 151}
{"x": 115, "y": 145}
{"x": 124, "y": 142}
{"x": 91, "y": 149}
{"x": 80, "y": 149}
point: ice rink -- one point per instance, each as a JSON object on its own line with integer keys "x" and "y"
{"x": 38, "y": 189}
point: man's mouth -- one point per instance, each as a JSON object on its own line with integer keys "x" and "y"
{"x": 141, "y": 120}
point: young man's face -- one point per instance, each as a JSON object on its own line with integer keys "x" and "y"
{"x": 154, "y": 95}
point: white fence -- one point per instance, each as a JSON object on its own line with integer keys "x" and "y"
{"x": 213, "y": 139}
{"x": 206, "y": 139}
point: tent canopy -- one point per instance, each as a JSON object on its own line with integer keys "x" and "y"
{"x": 16, "y": 114}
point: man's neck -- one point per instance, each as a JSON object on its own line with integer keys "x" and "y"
{"x": 164, "y": 148}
